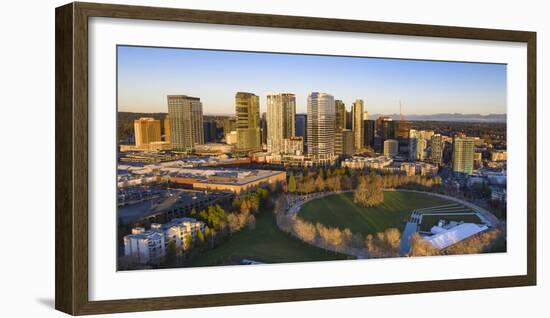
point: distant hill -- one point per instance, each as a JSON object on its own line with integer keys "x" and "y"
{"x": 125, "y": 123}
{"x": 457, "y": 117}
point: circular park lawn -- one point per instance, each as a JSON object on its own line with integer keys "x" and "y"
{"x": 339, "y": 210}
{"x": 265, "y": 243}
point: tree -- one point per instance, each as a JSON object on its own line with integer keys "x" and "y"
{"x": 330, "y": 236}
{"x": 308, "y": 186}
{"x": 246, "y": 206}
{"x": 233, "y": 222}
{"x": 304, "y": 230}
{"x": 200, "y": 238}
{"x": 203, "y": 215}
{"x": 484, "y": 242}
{"x": 346, "y": 182}
{"x": 291, "y": 184}
{"x": 384, "y": 244}
{"x": 369, "y": 193}
{"x": 187, "y": 242}
{"x": 421, "y": 247}
{"x": 320, "y": 183}
{"x": 208, "y": 234}
{"x": 251, "y": 222}
{"x": 171, "y": 253}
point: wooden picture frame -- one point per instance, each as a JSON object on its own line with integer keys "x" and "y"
{"x": 71, "y": 90}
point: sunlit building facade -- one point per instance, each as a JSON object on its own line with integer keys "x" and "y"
{"x": 320, "y": 127}
{"x": 186, "y": 122}
{"x": 247, "y": 108}
{"x": 438, "y": 146}
{"x": 146, "y": 130}
{"x": 391, "y": 147}
{"x": 463, "y": 155}
{"x": 281, "y": 112}
{"x": 340, "y": 116}
{"x": 357, "y": 109}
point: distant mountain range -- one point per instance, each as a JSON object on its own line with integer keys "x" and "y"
{"x": 490, "y": 118}
{"x": 452, "y": 117}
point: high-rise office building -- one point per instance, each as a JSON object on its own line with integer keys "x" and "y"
{"x": 167, "y": 128}
{"x": 209, "y": 130}
{"x": 391, "y": 147}
{"x": 320, "y": 127}
{"x": 368, "y": 139}
{"x": 340, "y": 109}
{"x": 229, "y": 125}
{"x": 386, "y": 128}
{"x": 349, "y": 120}
{"x": 357, "y": 109}
{"x": 301, "y": 128}
{"x": 146, "y": 130}
{"x": 344, "y": 142}
{"x": 463, "y": 155}
{"x": 186, "y": 122}
{"x": 418, "y": 142}
{"x": 263, "y": 128}
{"x": 281, "y": 112}
{"x": 247, "y": 107}
{"x": 402, "y": 131}
{"x": 438, "y": 146}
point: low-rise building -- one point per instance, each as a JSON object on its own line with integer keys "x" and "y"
{"x": 422, "y": 168}
{"x": 293, "y": 146}
{"x": 452, "y": 233}
{"x": 499, "y": 155}
{"x": 150, "y": 246}
{"x": 211, "y": 149}
{"x": 178, "y": 229}
{"x": 231, "y": 138}
{"x": 145, "y": 247}
{"x": 391, "y": 147}
{"x": 408, "y": 168}
{"x": 355, "y": 162}
{"x": 235, "y": 180}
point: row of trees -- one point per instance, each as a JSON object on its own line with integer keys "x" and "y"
{"x": 344, "y": 179}
{"x": 215, "y": 216}
{"x": 383, "y": 244}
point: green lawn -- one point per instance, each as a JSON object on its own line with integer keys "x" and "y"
{"x": 338, "y": 210}
{"x": 266, "y": 243}
{"x": 430, "y": 220}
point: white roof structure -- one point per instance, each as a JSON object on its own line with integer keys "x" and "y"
{"x": 444, "y": 239}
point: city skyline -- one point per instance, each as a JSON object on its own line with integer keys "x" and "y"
{"x": 147, "y": 75}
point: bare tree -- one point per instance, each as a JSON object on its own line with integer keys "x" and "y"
{"x": 304, "y": 230}
{"x": 421, "y": 247}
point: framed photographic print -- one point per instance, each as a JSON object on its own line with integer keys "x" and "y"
{"x": 211, "y": 158}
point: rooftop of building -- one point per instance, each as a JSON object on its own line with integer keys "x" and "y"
{"x": 178, "y": 221}
{"x": 184, "y": 97}
{"x": 145, "y": 235}
{"x": 227, "y": 176}
{"x": 167, "y": 200}
{"x": 447, "y": 237}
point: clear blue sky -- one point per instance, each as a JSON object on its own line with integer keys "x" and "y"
{"x": 147, "y": 75}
